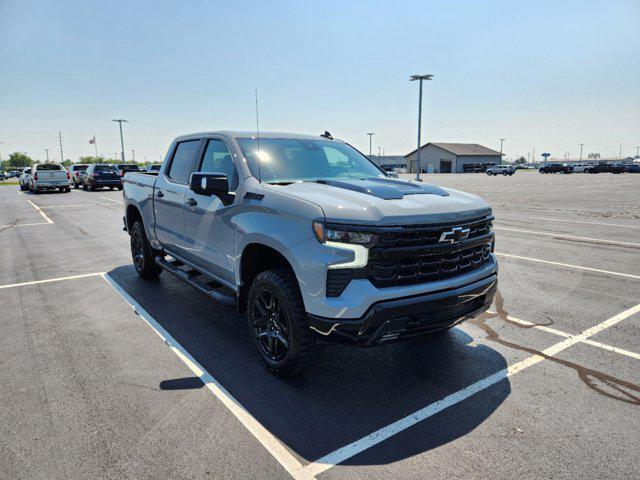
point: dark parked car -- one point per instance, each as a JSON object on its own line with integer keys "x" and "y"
{"x": 101, "y": 175}
{"x": 606, "y": 168}
{"x": 152, "y": 168}
{"x": 555, "y": 168}
{"x": 633, "y": 168}
{"x": 127, "y": 167}
{"x": 77, "y": 172}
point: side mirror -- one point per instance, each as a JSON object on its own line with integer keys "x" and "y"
{"x": 209, "y": 184}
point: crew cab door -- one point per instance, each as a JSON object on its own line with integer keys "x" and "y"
{"x": 210, "y": 230}
{"x": 170, "y": 193}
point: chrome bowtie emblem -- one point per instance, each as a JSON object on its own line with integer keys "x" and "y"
{"x": 454, "y": 235}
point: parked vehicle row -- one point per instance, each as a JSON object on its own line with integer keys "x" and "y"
{"x": 589, "y": 168}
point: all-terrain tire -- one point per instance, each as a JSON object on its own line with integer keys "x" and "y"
{"x": 303, "y": 348}
{"x": 143, "y": 254}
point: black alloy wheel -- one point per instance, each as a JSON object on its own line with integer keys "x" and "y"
{"x": 271, "y": 325}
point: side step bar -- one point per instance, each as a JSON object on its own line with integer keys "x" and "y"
{"x": 210, "y": 288}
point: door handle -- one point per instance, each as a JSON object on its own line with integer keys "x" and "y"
{"x": 191, "y": 202}
{"x": 159, "y": 194}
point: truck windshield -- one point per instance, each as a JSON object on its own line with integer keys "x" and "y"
{"x": 281, "y": 160}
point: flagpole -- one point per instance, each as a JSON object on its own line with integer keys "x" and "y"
{"x": 95, "y": 144}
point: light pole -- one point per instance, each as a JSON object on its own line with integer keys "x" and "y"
{"x": 133, "y": 155}
{"x": 46, "y": 150}
{"x": 637, "y": 150}
{"x": 413, "y": 78}
{"x": 581, "y": 147}
{"x": 120, "y": 120}
{"x": 620, "y": 151}
{"x": 371, "y": 134}
{"x": 501, "y": 143}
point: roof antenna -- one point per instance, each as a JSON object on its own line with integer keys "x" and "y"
{"x": 326, "y": 134}
{"x": 258, "y": 137}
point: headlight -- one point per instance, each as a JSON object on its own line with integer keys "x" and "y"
{"x": 324, "y": 234}
{"x": 356, "y": 242}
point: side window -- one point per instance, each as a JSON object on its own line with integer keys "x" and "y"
{"x": 217, "y": 159}
{"x": 183, "y": 162}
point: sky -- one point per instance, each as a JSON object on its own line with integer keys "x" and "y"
{"x": 543, "y": 75}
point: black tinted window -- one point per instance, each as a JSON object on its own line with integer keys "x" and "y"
{"x": 183, "y": 161}
{"x": 217, "y": 159}
{"x": 49, "y": 166}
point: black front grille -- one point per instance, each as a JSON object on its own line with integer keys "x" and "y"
{"x": 411, "y": 255}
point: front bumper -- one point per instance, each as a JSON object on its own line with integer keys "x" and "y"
{"x": 395, "y": 319}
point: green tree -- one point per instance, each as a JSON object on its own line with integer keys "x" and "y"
{"x": 520, "y": 161}
{"x": 91, "y": 159}
{"x": 19, "y": 159}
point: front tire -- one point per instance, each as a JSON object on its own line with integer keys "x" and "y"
{"x": 505, "y": 173}
{"x": 278, "y": 324}
{"x": 143, "y": 254}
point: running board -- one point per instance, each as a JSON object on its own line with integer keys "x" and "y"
{"x": 210, "y": 288}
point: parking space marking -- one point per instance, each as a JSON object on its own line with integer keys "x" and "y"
{"x": 342, "y": 454}
{"x": 617, "y": 225}
{"x": 50, "y": 280}
{"x": 572, "y": 237}
{"x": 77, "y": 205}
{"x": 560, "y": 333}
{"x": 23, "y": 224}
{"x": 44, "y": 215}
{"x": 266, "y": 438}
{"x": 566, "y": 265}
{"x": 112, "y": 200}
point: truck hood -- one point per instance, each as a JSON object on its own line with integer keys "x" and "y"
{"x": 387, "y": 201}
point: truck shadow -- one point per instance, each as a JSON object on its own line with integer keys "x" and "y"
{"x": 351, "y": 393}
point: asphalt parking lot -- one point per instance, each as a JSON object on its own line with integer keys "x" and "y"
{"x": 105, "y": 375}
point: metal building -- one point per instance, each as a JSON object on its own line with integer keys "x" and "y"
{"x": 453, "y": 158}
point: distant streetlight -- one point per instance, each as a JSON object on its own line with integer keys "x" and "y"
{"x": 371, "y": 134}
{"x": 120, "y": 121}
{"x": 413, "y": 78}
{"x": 581, "y": 147}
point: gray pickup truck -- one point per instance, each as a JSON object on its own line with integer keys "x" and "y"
{"x": 312, "y": 240}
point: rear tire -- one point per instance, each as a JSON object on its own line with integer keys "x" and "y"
{"x": 120, "y": 187}
{"x": 143, "y": 254}
{"x": 75, "y": 185}
{"x": 84, "y": 186}
{"x": 505, "y": 174}
{"x": 278, "y": 324}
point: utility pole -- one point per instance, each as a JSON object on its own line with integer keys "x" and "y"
{"x": 61, "y": 154}
{"x": 413, "y": 78}
{"x": 46, "y": 150}
{"x": 501, "y": 143}
{"x": 95, "y": 145}
{"x": 1, "y": 155}
{"x": 133, "y": 155}
{"x": 120, "y": 121}
{"x": 581, "y": 146}
{"x": 637, "y": 150}
{"x": 371, "y": 134}
{"x": 620, "y": 152}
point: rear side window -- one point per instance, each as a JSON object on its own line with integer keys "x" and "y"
{"x": 184, "y": 160}
{"x": 217, "y": 159}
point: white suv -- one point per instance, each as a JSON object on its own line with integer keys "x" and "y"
{"x": 503, "y": 169}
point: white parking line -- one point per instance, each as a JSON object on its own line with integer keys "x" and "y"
{"x": 566, "y": 265}
{"x": 560, "y": 333}
{"x": 78, "y": 205}
{"x": 349, "y": 451}
{"x": 572, "y": 237}
{"x": 44, "y": 215}
{"x": 23, "y": 224}
{"x": 112, "y": 200}
{"x": 616, "y": 225}
{"x": 266, "y": 438}
{"x": 49, "y": 280}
